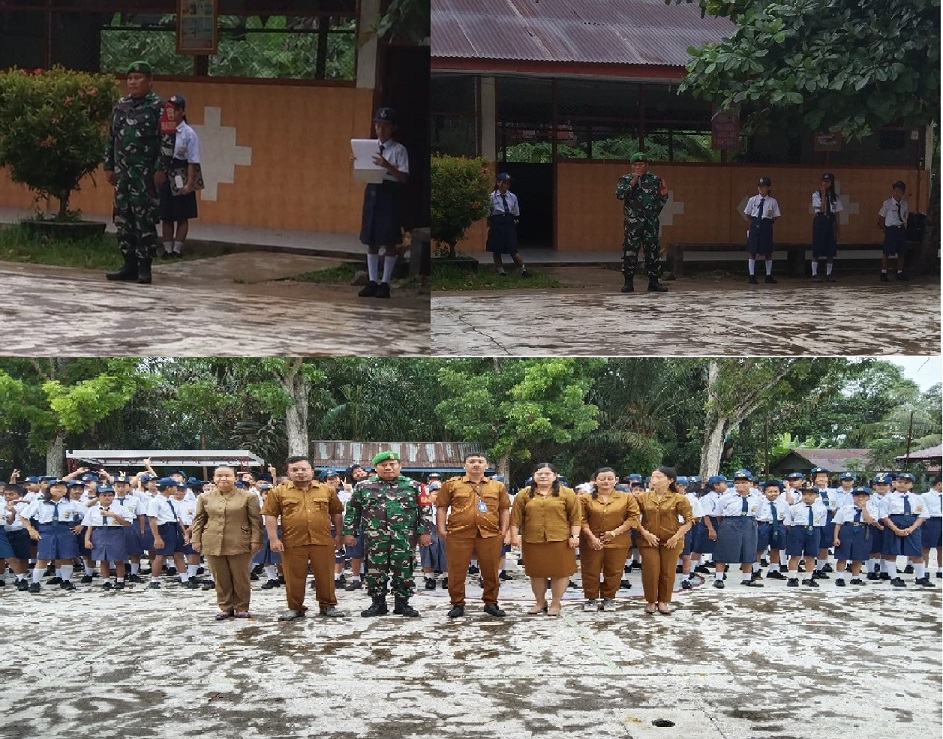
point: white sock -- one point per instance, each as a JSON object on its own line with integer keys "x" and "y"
{"x": 815, "y": 268}
{"x": 388, "y": 264}
{"x": 154, "y": 578}
{"x": 178, "y": 247}
{"x": 191, "y": 570}
{"x": 885, "y": 566}
{"x": 21, "y": 576}
{"x": 892, "y": 569}
{"x": 89, "y": 570}
{"x": 793, "y": 574}
{"x": 718, "y": 575}
{"x": 38, "y": 573}
{"x": 769, "y": 267}
{"x": 182, "y": 575}
{"x": 67, "y": 572}
{"x": 135, "y": 568}
{"x": 828, "y": 268}
{"x": 168, "y": 247}
{"x": 751, "y": 263}
{"x": 270, "y": 572}
{"x": 919, "y": 570}
{"x": 756, "y": 566}
{"x": 772, "y": 568}
{"x": 373, "y": 262}
{"x": 58, "y": 572}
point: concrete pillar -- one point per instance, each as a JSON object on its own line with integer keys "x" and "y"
{"x": 489, "y": 120}
{"x": 367, "y": 44}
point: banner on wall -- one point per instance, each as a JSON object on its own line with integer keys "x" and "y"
{"x": 197, "y": 26}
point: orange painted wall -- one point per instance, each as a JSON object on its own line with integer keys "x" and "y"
{"x": 300, "y": 174}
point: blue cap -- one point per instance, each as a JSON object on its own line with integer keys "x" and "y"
{"x": 635, "y": 476}
{"x": 75, "y": 484}
{"x": 240, "y": 484}
{"x": 860, "y": 490}
{"x": 148, "y": 477}
{"x": 906, "y": 476}
{"x": 695, "y": 479}
{"x": 503, "y": 176}
{"x": 846, "y": 476}
{"x": 194, "y": 481}
{"x": 743, "y": 474}
{"x": 33, "y": 479}
{"x": 89, "y": 477}
{"x": 48, "y": 478}
{"x": 122, "y": 478}
{"x": 883, "y": 478}
{"x": 266, "y": 486}
{"x": 715, "y": 479}
{"x": 817, "y": 470}
{"x": 166, "y": 482}
{"x": 56, "y": 481}
{"x": 263, "y": 476}
{"x": 105, "y": 489}
{"x": 795, "y": 476}
{"x": 681, "y": 481}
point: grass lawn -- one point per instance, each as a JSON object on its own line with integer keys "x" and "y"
{"x": 18, "y": 245}
{"x": 342, "y": 274}
{"x": 450, "y": 277}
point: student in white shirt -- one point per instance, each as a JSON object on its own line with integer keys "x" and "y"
{"x": 184, "y": 178}
{"x": 930, "y": 533}
{"x": 761, "y": 212}
{"x": 892, "y": 220}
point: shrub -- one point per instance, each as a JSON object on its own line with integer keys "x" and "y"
{"x": 54, "y": 127}
{"x": 460, "y": 187}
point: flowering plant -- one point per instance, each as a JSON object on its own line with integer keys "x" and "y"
{"x": 54, "y": 128}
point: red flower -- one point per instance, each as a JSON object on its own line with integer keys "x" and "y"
{"x": 68, "y": 99}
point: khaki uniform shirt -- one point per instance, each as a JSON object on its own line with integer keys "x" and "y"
{"x": 465, "y": 520}
{"x": 226, "y": 524}
{"x": 662, "y": 517}
{"x": 600, "y": 517}
{"x": 549, "y": 518}
{"x": 306, "y": 513}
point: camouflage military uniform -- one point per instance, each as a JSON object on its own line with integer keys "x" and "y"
{"x": 643, "y": 204}
{"x": 390, "y": 515}
{"x": 133, "y": 152}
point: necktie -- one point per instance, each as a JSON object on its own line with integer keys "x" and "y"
{"x": 759, "y": 211}
{"x": 857, "y": 515}
{"x": 772, "y": 511}
{"x": 745, "y": 508}
{"x": 55, "y": 511}
{"x": 811, "y": 521}
{"x": 828, "y": 204}
{"x": 900, "y": 217}
{"x": 825, "y": 497}
{"x": 504, "y": 199}
{"x": 172, "y": 510}
{"x": 105, "y": 520}
{"x": 907, "y": 510}
{"x": 381, "y": 149}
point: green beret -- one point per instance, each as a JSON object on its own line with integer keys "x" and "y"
{"x": 383, "y": 456}
{"x": 140, "y": 66}
{"x": 639, "y": 156}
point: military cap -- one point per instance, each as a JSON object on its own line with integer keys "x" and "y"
{"x": 715, "y": 479}
{"x": 860, "y": 490}
{"x": 846, "y": 475}
{"x": 140, "y": 66}
{"x": 178, "y": 101}
{"x": 503, "y": 176}
{"x": 906, "y": 476}
{"x": 383, "y": 456}
{"x": 385, "y": 114}
{"x": 883, "y": 478}
{"x": 166, "y": 482}
{"x": 105, "y": 489}
{"x": 681, "y": 480}
{"x": 764, "y": 181}
{"x": 743, "y": 474}
{"x": 639, "y": 156}
{"x": 75, "y": 484}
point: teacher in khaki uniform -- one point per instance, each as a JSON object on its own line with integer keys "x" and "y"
{"x": 477, "y": 522}
{"x": 227, "y": 529}
{"x": 307, "y": 509}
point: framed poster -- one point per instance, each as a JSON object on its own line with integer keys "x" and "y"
{"x": 725, "y": 129}
{"x": 197, "y": 28}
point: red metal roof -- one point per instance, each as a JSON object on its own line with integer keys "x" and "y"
{"x": 637, "y": 32}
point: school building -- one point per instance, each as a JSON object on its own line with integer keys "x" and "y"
{"x": 560, "y": 93}
{"x": 287, "y": 85}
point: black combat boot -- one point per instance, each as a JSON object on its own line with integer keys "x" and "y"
{"x": 144, "y": 271}
{"x": 401, "y": 607}
{"x": 377, "y": 608}
{"x": 628, "y": 287}
{"x": 654, "y": 286}
{"x": 128, "y": 272}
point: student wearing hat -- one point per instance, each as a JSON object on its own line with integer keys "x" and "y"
{"x": 166, "y": 529}
{"x": 503, "y": 214}
{"x": 137, "y": 514}
{"x": 761, "y": 212}
{"x": 705, "y": 534}
{"x": 892, "y": 220}
{"x": 905, "y": 512}
{"x": 18, "y": 555}
{"x": 825, "y": 206}
{"x": 830, "y": 499}
{"x": 931, "y": 533}
{"x": 852, "y": 535}
{"x": 736, "y": 531}
{"x": 133, "y": 166}
{"x": 389, "y": 510}
{"x": 880, "y": 489}
{"x": 55, "y": 531}
{"x": 383, "y": 205}
{"x": 104, "y": 524}
{"x": 805, "y": 524}
{"x": 355, "y": 553}
{"x": 184, "y": 178}
{"x": 771, "y": 530}
{"x": 644, "y": 194}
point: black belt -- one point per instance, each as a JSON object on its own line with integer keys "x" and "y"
{"x": 892, "y": 228}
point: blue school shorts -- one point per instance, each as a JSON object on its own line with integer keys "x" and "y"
{"x": 173, "y": 539}
{"x": 6, "y": 551}
{"x": 855, "y": 541}
{"x": 20, "y": 543}
{"x": 803, "y": 541}
{"x": 932, "y": 532}
{"x": 768, "y": 535}
{"x": 907, "y": 546}
{"x": 895, "y": 241}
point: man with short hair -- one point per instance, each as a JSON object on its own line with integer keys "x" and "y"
{"x": 388, "y": 509}
{"x": 307, "y": 509}
{"x": 472, "y": 515}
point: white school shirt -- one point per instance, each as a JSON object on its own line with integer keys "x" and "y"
{"x": 879, "y": 503}
{"x": 94, "y": 517}
{"x": 830, "y": 498}
{"x": 159, "y": 508}
{"x": 132, "y": 505}
{"x": 846, "y": 514}
{"x": 709, "y": 502}
{"x": 45, "y": 512}
{"x": 186, "y": 509}
{"x": 18, "y": 509}
{"x": 395, "y": 153}
{"x": 934, "y": 501}
{"x": 888, "y": 212}
{"x": 186, "y": 144}
{"x": 799, "y": 514}
{"x": 818, "y": 207}
{"x": 497, "y": 205}
{"x": 29, "y": 496}
{"x": 766, "y": 513}
{"x": 730, "y": 505}
{"x": 770, "y": 207}
{"x": 894, "y": 505}
{"x": 696, "y": 509}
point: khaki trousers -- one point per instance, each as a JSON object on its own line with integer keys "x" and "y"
{"x": 231, "y": 575}
{"x": 295, "y": 568}
{"x": 458, "y": 552}
{"x": 658, "y": 572}
{"x": 607, "y": 561}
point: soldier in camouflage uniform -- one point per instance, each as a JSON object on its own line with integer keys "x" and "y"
{"x": 133, "y": 165}
{"x": 644, "y": 194}
{"x": 388, "y": 509}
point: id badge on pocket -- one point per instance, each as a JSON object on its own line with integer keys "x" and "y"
{"x": 482, "y": 506}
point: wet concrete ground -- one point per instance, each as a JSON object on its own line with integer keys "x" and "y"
{"x": 770, "y": 663}
{"x": 238, "y": 304}
{"x": 699, "y": 316}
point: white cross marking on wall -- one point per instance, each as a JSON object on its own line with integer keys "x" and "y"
{"x": 849, "y": 207}
{"x": 672, "y": 208}
{"x": 219, "y": 152}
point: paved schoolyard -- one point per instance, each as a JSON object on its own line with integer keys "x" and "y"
{"x": 239, "y": 304}
{"x": 699, "y": 316}
{"x": 766, "y": 663}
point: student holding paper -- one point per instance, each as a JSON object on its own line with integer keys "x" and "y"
{"x": 382, "y": 206}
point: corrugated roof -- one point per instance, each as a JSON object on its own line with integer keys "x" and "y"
{"x": 640, "y": 32}
{"x": 414, "y": 454}
{"x": 930, "y": 453}
{"x": 834, "y": 460}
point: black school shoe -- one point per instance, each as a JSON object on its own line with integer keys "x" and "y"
{"x": 909, "y": 569}
{"x": 775, "y": 575}
{"x": 840, "y": 582}
{"x": 503, "y": 575}
{"x": 751, "y": 583}
{"x": 792, "y": 582}
{"x": 811, "y": 583}
{"x": 430, "y": 583}
{"x": 827, "y": 568}
{"x": 456, "y": 611}
{"x": 34, "y": 587}
{"x": 369, "y": 290}
{"x": 383, "y": 290}
{"x": 856, "y": 581}
{"x": 719, "y": 584}
{"x": 66, "y": 585}
{"x": 269, "y": 584}
{"x": 86, "y": 580}
{"x": 898, "y": 583}
{"x": 22, "y": 584}
{"x": 924, "y": 582}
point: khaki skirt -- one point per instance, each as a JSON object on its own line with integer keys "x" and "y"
{"x": 549, "y": 559}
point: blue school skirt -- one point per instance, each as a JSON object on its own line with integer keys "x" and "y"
{"x": 433, "y": 556}
{"x": 265, "y": 556}
{"x": 703, "y": 544}
{"x": 57, "y": 542}
{"x": 932, "y": 532}
{"x": 855, "y": 541}
{"x": 382, "y": 217}
{"x": 688, "y": 542}
{"x": 502, "y": 235}
{"x": 145, "y": 537}
{"x": 20, "y": 543}
{"x": 907, "y": 546}
{"x": 823, "y": 236}
{"x": 803, "y": 541}
{"x": 736, "y": 540}
{"x": 132, "y": 540}
{"x": 108, "y": 544}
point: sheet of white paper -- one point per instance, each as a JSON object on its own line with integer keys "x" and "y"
{"x": 364, "y": 169}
